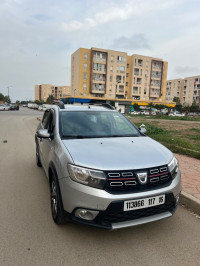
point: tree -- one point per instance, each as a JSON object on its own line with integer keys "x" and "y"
{"x": 150, "y": 105}
{"x": 50, "y": 99}
{"x": 177, "y": 100}
{"x": 179, "y": 107}
{"x": 39, "y": 102}
{"x": 136, "y": 107}
{"x": 194, "y": 107}
{"x": 17, "y": 102}
{"x": 7, "y": 99}
{"x": 2, "y": 98}
{"x": 186, "y": 109}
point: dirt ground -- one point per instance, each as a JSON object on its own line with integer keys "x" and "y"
{"x": 168, "y": 124}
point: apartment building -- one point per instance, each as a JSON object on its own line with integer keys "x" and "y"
{"x": 174, "y": 89}
{"x": 43, "y": 91}
{"x": 187, "y": 89}
{"x": 116, "y": 75}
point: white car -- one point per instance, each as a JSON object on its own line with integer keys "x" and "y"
{"x": 135, "y": 113}
{"x": 176, "y": 114}
{"x": 144, "y": 112}
{"x": 4, "y": 107}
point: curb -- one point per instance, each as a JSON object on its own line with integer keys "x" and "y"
{"x": 190, "y": 202}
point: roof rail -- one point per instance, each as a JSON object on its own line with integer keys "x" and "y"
{"x": 106, "y": 105}
{"x": 59, "y": 104}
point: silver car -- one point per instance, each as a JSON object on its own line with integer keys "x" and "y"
{"x": 102, "y": 170}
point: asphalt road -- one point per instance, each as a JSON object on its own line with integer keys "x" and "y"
{"x": 28, "y": 235}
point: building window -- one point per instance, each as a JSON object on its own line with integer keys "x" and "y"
{"x": 84, "y": 76}
{"x": 124, "y": 60}
{"x": 85, "y": 66}
{"x": 119, "y": 59}
{"x": 84, "y": 86}
{"x": 126, "y": 83}
{"x": 111, "y": 58}
{"x": 127, "y": 75}
{"x": 111, "y": 78}
{"x": 85, "y": 56}
{"x": 140, "y": 62}
{"x": 111, "y": 68}
{"x": 127, "y": 65}
{"x": 122, "y": 69}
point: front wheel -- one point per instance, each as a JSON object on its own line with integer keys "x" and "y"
{"x": 56, "y": 202}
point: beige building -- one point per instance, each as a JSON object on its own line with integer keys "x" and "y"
{"x": 115, "y": 75}
{"x": 43, "y": 91}
{"x": 187, "y": 89}
{"x": 174, "y": 89}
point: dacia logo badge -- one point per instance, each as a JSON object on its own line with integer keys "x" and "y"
{"x": 142, "y": 177}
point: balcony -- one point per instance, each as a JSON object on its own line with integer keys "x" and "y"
{"x": 155, "y": 93}
{"x": 99, "y": 78}
{"x": 157, "y": 66}
{"x": 99, "y": 67}
{"x": 98, "y": 88}
{"x": 98, "y": 59}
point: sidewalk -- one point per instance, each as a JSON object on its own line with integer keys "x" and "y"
{"x": 190, "y": 173}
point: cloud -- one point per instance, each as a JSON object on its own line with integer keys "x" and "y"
{"x": 41, "y": 17}
{"x": 186, "y": 70}
{"x": 136, "y": 41}
{"x": 115, "y": 12}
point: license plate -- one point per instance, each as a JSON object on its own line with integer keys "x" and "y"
{"x": 143, "y": 203}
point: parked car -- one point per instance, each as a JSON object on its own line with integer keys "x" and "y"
{"x": 14, "y": 107}
{"x": 4, "y": 107}
{"x": 144, "y": 112}
{"x": 102, "y": 170}
{"x": 176, "y": 114}
{"x": 40, "y": 107}
{"x": 135, "y": 113}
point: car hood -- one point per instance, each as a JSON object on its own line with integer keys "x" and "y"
{"x": 118, "y": 153}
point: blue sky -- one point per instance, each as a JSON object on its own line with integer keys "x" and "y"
{"x": 38, "y": 37}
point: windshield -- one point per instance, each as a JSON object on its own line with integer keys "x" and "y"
{"x": 88, "y": 124}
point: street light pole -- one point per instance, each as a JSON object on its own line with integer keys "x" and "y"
{"x": 8, "y": 91}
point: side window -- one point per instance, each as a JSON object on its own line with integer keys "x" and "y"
{"x": 45, "y": 119}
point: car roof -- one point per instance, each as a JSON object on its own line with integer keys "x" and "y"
{"x": 70, "y": 107}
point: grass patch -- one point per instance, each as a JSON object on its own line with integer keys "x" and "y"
{"x": 176, "y": 141}
{"x": 166, "y": 117}
{"x": 195, "y": 130}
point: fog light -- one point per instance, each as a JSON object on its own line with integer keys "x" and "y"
{"x": 86, "y": 214}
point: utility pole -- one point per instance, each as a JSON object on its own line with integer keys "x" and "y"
{"x": 8, "y": 91}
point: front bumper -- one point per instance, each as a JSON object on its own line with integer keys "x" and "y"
{"x": 110, "y": 206}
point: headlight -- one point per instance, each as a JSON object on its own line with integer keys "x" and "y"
{"x": 173, "y": 167}
{"x": 88, "y": 177}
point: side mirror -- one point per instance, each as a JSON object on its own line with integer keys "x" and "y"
{"x": 43, "y": 133}
{"x": 142, "y": 130}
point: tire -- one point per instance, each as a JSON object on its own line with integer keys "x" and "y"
{"x": 57, "y": 210}
{"x": 38, "y": 162}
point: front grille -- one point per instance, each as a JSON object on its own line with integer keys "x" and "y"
{"x": 128, "y": 181}
{"x": 115, "y": 213}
